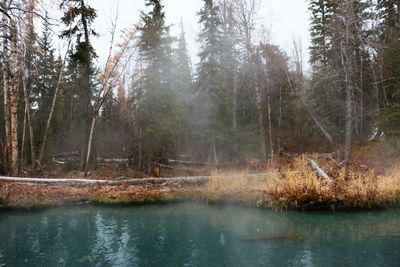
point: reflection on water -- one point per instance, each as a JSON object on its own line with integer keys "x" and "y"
{"x": 197, "y": 235}
{"x": 2, "y": 261}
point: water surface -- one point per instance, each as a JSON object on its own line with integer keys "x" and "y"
{"x": 192, "y": 234}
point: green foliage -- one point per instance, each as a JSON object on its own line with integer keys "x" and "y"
{"x": 389, "y": 14}
{"x": 157, "y": 112}
{"x": 322, "y": 13}
{"x": 80, "y": 82}
{"x": 212, "y": 108}
{"x": 328, "y": 72}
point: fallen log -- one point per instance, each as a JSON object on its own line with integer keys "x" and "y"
{"x": 141, "y": 181}
{"x": 113, "y": 160}
{"x": 122, "y": 181}
{"x": 58, "y": 161}
{"x": 320, "y": 172}
{"x": 173, "y": 168}
{"x": 66, "y": 154}
{"x": 186, "y": 162}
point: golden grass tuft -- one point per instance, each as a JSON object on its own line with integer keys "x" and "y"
{"x": 239, "y": 187}
{"x": 389, "y": 185}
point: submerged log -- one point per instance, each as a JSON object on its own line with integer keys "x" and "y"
{"x": 320, "y": 172}
{"x": 284, "y": 236}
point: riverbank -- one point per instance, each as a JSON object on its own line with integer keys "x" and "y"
{"x": 292, "y": 185}
{"x": 278, "y": 191}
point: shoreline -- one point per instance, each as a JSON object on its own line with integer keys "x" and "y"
{"x": 31, "y": 197}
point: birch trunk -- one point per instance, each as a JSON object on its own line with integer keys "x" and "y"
{"x": 89, "y": 147}
{"x": 376, "y": 90}
{"x": 27, "y": 120}
{"x": 14, "y": 99}
{"x": 24, "y": 123}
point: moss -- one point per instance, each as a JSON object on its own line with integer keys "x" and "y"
{"x": 142, "y": 200}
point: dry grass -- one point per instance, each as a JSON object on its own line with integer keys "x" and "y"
{"x": 297, "y": 187}
{"x": 239, "y": 187}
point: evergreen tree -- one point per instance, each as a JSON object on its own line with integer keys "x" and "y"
{"x": 322, "y": 17}
{"x": 389, "y": 16}
{"x": 78, "y": 19}
{"x": 46, "y": 78}
{"x": 183, "y": 87}
{"x": 230, "y": 64}
{"x": 157, "y": 113}
{"x": 213, "y": 113}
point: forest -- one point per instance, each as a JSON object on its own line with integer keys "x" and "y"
{"x": 206, "y": 141}
{"x": 244, "y": 100}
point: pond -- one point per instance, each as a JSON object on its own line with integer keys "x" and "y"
{"x": 194, "y": 234}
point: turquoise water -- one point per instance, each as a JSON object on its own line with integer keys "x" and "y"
{"x": 192, "y": 234}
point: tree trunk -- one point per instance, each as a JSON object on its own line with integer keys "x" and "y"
{"x": 14, "y": 99}
{"x": 261, "y": 122}
{"x": 214, "y": 153}
{"x": 376, "y": 90}
{"x": 279, "y": 120}
{"x": 6, "y": 88}
{"x": 27, "y": 120}
{"x": 271, "y": 148}
{"x": 235, "y": 100}
{"x": 53, "y": 106}
{"x": 320, "y": 172}
{"x": 361, "y": 100}
{"x": 346, "y": 55}
{"x": 89, "y": 146}
{"x": 22, "y": 152}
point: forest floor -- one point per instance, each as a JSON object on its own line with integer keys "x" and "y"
{"x": 289, "y": 183}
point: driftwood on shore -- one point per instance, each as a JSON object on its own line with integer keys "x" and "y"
{"x": 320, "y": 172}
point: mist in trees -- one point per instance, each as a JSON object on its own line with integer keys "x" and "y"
{"x": 243, "y": 98}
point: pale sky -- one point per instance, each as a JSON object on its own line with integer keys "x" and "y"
{"x": 285, "y": 18}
